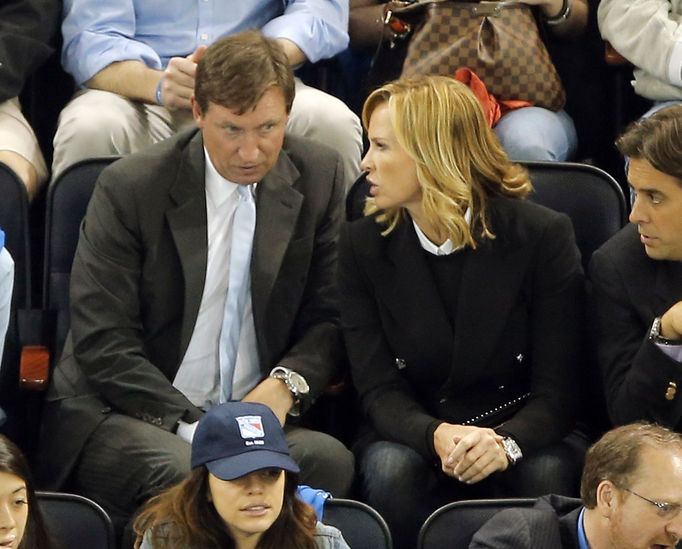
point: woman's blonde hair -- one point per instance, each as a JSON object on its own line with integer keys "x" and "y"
{"x": 459, "y": 161}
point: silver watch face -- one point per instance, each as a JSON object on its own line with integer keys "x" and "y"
{"x": 511, "y": 448}
{"x": 299, "y": 384}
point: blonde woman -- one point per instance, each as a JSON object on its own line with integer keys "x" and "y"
{"x": 461, "y": 312}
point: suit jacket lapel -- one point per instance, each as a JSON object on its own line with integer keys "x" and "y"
{"x": 668, "y": 285}
{"x": 187, "y": 224}
{"x": 277, "y": 208}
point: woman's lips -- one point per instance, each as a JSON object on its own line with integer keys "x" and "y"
{"x": 256, "y": 510}
{"x": 8, "y": 541}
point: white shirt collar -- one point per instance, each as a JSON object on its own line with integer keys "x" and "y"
{"x": 219, "y": 189}
{"x": 447, "y": 247}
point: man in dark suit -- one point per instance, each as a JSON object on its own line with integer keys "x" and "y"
{"x": 183, "y": 296}
{"x": 637, "y": 281}
{"x": 631, "y": 493}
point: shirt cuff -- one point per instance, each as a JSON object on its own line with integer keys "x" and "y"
{"x": 673, "y": 351}
{"x": 186, "y": 430}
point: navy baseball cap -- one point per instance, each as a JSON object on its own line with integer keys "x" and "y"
{"x": 238, "y": 438}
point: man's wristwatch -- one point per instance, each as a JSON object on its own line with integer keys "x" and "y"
{"x": 512, "y": 450}
{"x": 656, "y": 337}
{"x": 295, "y": 382}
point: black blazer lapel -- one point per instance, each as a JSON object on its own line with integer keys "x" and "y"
{"x": 413, "y": 296}
{"x": 668, "y": 277}
{"x": 490, "y": 285}
{"x": 187, "y": 223}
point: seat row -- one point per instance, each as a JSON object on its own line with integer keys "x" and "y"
{"x": 73, "y": 520}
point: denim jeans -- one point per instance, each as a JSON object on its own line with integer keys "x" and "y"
{"x": 534, "y": 133}
{"x": 405, "y": 489}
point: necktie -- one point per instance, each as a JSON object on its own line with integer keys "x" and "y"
{"x": 238, "y": 289}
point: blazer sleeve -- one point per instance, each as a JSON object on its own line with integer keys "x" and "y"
{"x": 556, "y": 320}
{"x": 317, "y": 350}
{"x": 519, "y": 529}
{"x": 107, "y": 328}
{"x": 636, "y": 372}
{"x": 386, "y": 398}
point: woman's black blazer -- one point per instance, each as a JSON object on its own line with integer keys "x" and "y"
{"x": 512, "y": 361}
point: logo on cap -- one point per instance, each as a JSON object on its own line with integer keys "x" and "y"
{"x": 250, "y": 426}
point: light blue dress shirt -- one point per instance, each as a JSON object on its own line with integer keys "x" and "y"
{"x": 98, "y": 33}
{"x": 582, "y": 537}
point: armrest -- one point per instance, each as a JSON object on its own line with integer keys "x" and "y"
{"x": 34, "y": 365}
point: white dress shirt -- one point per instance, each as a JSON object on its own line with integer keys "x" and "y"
{"x": 199, "y": 374}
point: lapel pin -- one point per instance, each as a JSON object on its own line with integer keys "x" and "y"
{"x": 400, "y": 363}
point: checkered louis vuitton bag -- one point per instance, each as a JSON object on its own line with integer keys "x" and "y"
{"x": 499, "y": 41}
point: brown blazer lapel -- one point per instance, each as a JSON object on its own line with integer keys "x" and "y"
{"x": 277, "y": 208}
{"x": 187, "y": 223}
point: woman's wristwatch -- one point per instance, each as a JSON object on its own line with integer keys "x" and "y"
{"x": 512, "y": 450}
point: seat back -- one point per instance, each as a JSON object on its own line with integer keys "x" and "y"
{"x": 362, "y": 526}
{"x": 67, "y": 202}
{"x": 454, "y": 524}
{"x": 588, "y": 195}
{"x": 75, "y": 521}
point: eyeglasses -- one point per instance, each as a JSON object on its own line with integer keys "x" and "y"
{"x": 665, "y": 510}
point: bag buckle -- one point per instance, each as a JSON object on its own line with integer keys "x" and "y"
{"x": 487, "y": 9}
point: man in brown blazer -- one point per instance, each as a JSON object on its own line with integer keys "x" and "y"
{"x": 150, "y": 280}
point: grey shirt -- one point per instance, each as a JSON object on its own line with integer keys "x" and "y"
{"x": 326, "y": 537}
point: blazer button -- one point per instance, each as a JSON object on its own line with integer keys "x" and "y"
{"x": 157, "y": 421}
{"x": 671, "y": 391}
{"x": 106, "y": 410}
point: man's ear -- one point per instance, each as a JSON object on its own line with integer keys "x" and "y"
{"x": 196, "y": 110}
{"x": 607, "y": 498}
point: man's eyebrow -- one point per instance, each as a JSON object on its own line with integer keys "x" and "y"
{"x": 646, "y": 189}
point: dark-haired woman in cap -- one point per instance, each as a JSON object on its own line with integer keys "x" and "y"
{"x": 240, "y": 494}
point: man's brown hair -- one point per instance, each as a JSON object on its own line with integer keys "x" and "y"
{"x": 657, "y": 139}
{"x": 236, "y": 71}
{"x": 616, "y": 456}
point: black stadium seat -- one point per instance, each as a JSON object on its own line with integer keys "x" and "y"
{"x": 67, "y": 201}
{"x": 454, "y": 524}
